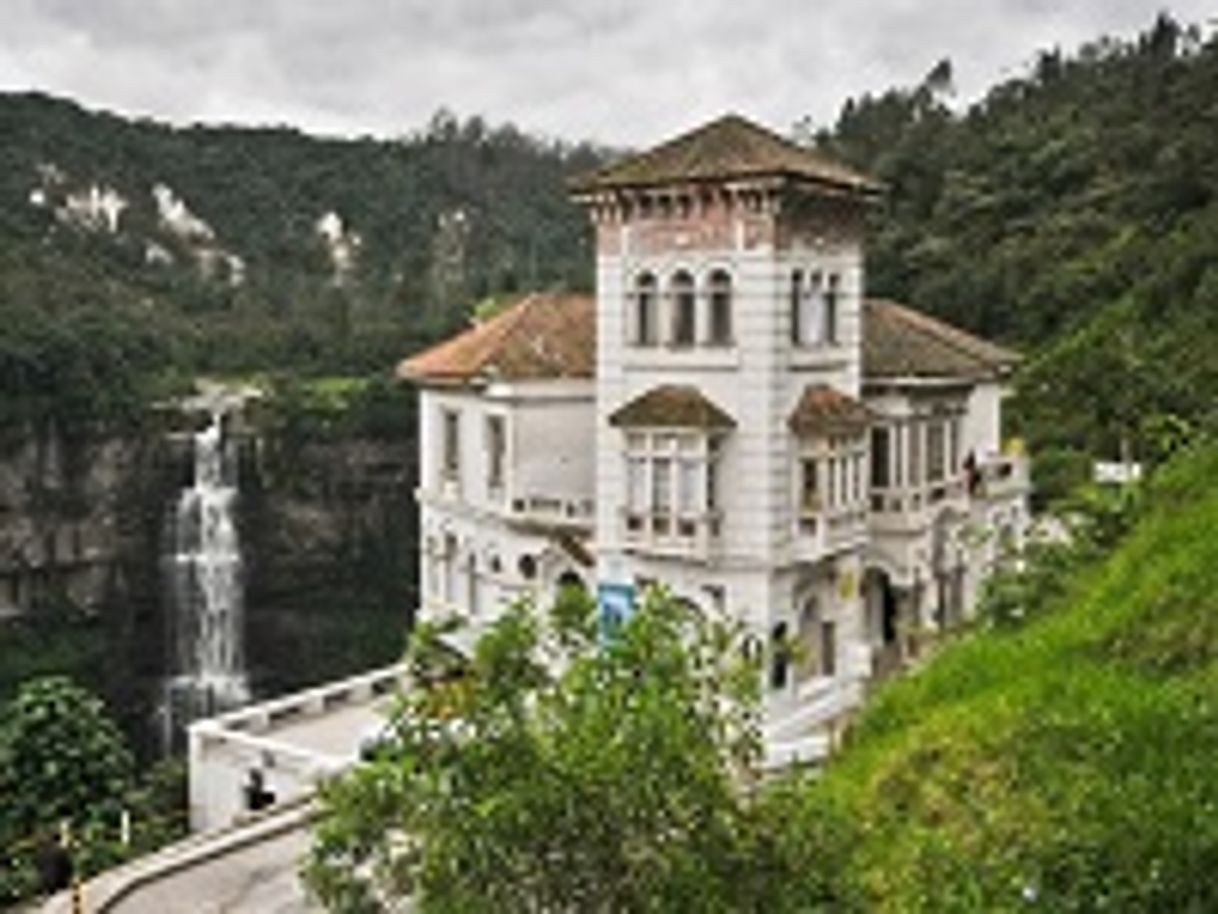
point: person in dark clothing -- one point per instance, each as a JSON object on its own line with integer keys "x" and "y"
{"x": 257, "y": 796}
{"x": 54, "y": 864}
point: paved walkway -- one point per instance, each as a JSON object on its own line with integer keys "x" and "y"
{"x": 248, "y": 869}
{"x": 336, "y": 732}
{"x": 259, "y": 879}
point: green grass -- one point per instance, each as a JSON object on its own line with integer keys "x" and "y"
{"x": 1070, "y": 765}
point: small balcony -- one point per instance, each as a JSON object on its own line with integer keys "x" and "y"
{"x": 551, "y": 510}
{"x": 672, "y": 533}
{"x": 825, "y": 532}
{"x": 908, "y": 508}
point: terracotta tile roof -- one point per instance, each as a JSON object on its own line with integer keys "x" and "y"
{"x": 823, "y": 410}
{"x": 544, "y": 335}
{"x": 672, "y": 406}
{"x": 554, "y": 336}
{"x": 901, "y": 342}
{"x": 730, "y": 147}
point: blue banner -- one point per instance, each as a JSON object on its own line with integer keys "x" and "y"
{"x": 615, "y": 606}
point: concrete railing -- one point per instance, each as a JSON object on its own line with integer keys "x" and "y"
{"x": 265, "y": 715}
{"x": 226, "y": 751}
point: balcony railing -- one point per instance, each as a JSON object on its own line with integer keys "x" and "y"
{"x": 822, "y": 532}
{"x": 675, "y": 532}
{"x": 910, "y": 507}
{"x": 552, "y": 509}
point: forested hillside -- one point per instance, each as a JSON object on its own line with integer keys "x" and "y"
{"x": 1072, "y": 211}
{"x": 133, "y": 252}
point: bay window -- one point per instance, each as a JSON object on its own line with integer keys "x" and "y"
{"x": 670, "y": 483}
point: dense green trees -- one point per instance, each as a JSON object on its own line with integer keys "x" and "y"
{"x": 624, "y": 783}
{"x": 1071, "y": 211}
{"x": 91, "y": 319}
{"x": 65, "y": 770}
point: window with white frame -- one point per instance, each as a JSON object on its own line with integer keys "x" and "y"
{"x": 953, "y": 445}
{"x": 796, "y": 306}
{"x": 881, "y": 457}
{"x": 831, "y": 478}
{"x": 450, "y": 463}
{"x": 644, "y": 317}
{"x": 496, "y": 450}
{"x": 936, "y": 452}
{"x": 719, "y": 294}
{"x": 684, "y": 309}
{"x": 670, "y": 482}
{"x": 830, "y": 313}
{"x": 914, "y": 477}
{"x": 809, "y": 313}
{"x": 809, "y": 486}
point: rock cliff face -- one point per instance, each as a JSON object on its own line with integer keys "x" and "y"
{"x": 327, "y": 531}
{"x": 79, "y": 514}
{"x": 330, "y": 528}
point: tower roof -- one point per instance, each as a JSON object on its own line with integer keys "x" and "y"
{"x": 730, "y": 147}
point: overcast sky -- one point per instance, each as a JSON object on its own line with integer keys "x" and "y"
{"x": 625, "y": 72}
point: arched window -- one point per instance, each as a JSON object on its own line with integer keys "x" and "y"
{"x": 645, "y": 319}
{"x": 720, "y": 295}
{"x": 684, "y": 309}
{"x": 571, "y": 581}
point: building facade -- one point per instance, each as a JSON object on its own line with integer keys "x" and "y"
{"x": 730, "y": 417}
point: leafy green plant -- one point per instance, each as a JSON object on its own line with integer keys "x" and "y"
{"x": 622, "y": 782}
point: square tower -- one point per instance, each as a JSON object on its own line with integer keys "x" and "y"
{"x": 731, "y": 445}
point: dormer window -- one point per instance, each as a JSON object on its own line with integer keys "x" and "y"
{"x": 645, "y": 311}
{"x": 684, "y": 309}
{"x": 720, "y": 295}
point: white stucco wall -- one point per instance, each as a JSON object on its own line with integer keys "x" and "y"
{"x": 983, "y": 420}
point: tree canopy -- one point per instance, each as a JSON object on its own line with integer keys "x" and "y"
{"x": 625, "y": 782}
{"x": 1072, "y": 211}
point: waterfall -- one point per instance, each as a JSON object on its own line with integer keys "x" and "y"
{"x": 202, "y": 569}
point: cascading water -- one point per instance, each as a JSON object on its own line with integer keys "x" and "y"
{"x": 204, "y": 584}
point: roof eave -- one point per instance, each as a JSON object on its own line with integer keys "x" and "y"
{"x": 587, "y": 189}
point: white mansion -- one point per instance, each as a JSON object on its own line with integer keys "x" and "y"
{"x": 729, "y": 416}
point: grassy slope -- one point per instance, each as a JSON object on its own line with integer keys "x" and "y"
{"x": 1071, "y": 765}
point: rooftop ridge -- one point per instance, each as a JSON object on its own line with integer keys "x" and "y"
{"x": 730, "y": 146}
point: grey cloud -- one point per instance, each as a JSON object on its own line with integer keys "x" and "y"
{"x": 622, "y": 71}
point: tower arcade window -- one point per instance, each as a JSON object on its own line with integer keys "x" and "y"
{"x": 806, "y": 302}
{"x": 645, "y": 318}
{"x": 829, "y": 312}
{"x": 684, "y": 309}
{"x": 797, "y": 287}
{"x": 720, "y": 295}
